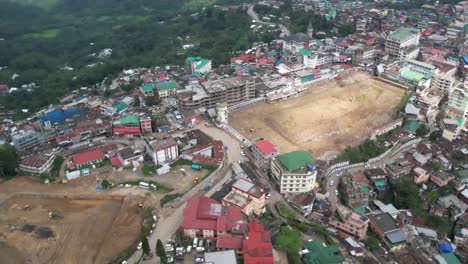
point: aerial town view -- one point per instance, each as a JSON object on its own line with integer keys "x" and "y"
{"x": 233, "y": 131}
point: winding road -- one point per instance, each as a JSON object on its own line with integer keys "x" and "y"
{"x": 254, "y": 16}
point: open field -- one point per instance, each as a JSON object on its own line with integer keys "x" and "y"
{"x": 326, "y": 119}
{"x": 88, "y": 228}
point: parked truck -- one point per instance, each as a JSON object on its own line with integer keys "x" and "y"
{"x": 196, "y": 166}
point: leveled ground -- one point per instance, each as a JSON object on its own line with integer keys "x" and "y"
{"x": 325, "y": 120}
{"x": 90, "y": 228}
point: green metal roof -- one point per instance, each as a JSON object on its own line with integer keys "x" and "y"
{"x": 412, "y": 75}
{"x": 296, "y": 160}
{"x": 322, "y": 254}
{"x": 305, "y": 52}
{"x": 411, "y": 125}
{"x": 147, "y": 88}
{"x": 120, "y": 106}
{"x": 202, "y": 63}
{"x": 380, "y": 183}
{"x": 403, "y": 33}
{"x": 167, "y": 85}
{"x": 193, "y": 58}
{"x": 450, "y": 258}
{"x": 132, "y": 120}
{"x": 359, "y": 209}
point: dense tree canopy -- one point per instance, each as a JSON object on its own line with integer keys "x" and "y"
{"x": 8, "y": 160}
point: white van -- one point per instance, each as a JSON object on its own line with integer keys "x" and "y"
{"x": 189, "y": 249}
{"x": 144, "y": 185}
{"x": 195, "y": 242}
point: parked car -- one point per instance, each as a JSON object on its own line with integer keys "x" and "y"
{"x": 331, "y": 183}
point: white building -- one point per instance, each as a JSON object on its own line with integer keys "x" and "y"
{"x": 37, "y": 164}
{"x": 294, "y": 172}
{"x": 443, "y": 81}
{"x": 458, "y": 99}
{"x": 197, "y": 65}
{"x": 263, "y": 151}
{"x": 163, "y": 151}
{"x": 400, "y": 39}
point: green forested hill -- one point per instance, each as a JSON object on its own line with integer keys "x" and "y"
{"x": 40, "y": 38}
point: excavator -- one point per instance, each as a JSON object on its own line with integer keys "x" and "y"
{"x": 54, "y": 215}
{"x": 27, "y": 207}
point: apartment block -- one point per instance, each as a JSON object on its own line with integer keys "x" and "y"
{"x": 26, "y": 140}
{"x": 145, "y": 123}
{"x": 400, "y": 39}
{"x": 294, "y": 172}
{"x": 164, "y": 151}
{"x": 443, "y": 81}
{"x": 37, "y": 164}
{"x": 247, "y": 196}
{"x": 458, "y": 99}
{"x": 351, "y": 224}
{"x": 263, "y": 151}
{"x": 197, "y": 65}
{"x": 230, "y": 90}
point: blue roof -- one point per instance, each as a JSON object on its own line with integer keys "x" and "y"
{"x": 465, "y": 59}
{"x": 445, "y": 248}
{"x": 59, "y": 116}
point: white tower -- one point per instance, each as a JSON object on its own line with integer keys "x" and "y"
{"x": 222, "y": 109}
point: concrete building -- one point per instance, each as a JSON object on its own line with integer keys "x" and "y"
{"x": 147, "y": 89}
{"x": 37, "y": 164}
{"x": 421, "y": 174}
{"x": 197, "y": 65}
{"x": 230, "y": 90}
{"x": 87, "y": 158}
{"x": 263, "y": 151}
{"x": 458, "y": 99}
{"x": 441, "y": 178}
{"x": 167, "y": 89}
{"x": 145, "y": 123}
{"x": 294, "y": 172}
{"x": 247, "y": 196}
{"x": 443, "y": 81}
{"x": 351, "y": 224}
{"x": 400, "y": 39}
{"x": 163, "y": 151}
{"x": 127, "y": 156}
{"x": 26, "y": 139}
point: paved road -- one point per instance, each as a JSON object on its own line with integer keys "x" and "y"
{"x": 166, "y": 227}
{"x": 254, "y": 16}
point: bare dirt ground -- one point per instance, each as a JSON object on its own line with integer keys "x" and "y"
{"x": 92, "y": 227}
{"x": 326, "y": 119}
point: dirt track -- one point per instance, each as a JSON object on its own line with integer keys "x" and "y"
{"x": 326, "y": 119}
{"x": 92, "y": 227}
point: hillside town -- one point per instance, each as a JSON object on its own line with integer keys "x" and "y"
{"x": 310, "y": 149}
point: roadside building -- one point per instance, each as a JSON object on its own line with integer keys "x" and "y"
{"x": 263, "y": 151}
{"x": 356, "y": 193}
{"x": 402, "y": 38}
{"x": 26, "y": 139}
{"x": 147, "y": 89}
{"x": 167, "y": 89}
{"x": 164, "y": 151}
{"x": 247, "y": 196}
{"x": 87, "y": 158}
{"x": 351, "y": 224}
{"x": 304, "y": 202}
{"x": 294, "y": 172}
{"x": 37, "y": 164}
{"x": 129, "y": 125}
{"x": 377, "y": 177}
{"x": 145, "y": 123}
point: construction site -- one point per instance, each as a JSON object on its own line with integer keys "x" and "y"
{"x": 324, "y": 120}
{"x": 47, "y": 226}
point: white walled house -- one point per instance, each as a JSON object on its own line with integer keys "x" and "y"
{"x": 164, "y": 151}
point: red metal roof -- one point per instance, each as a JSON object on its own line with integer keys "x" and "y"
{"x": 265, "y": 146}
{"x": 90, "y": 156}
{"x": 198, "y": 214}
{"x": 127, "y": 130}
{"x": 257, "y": 248}
{"x": 229, "y": 242}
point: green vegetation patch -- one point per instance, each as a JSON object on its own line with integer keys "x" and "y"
{"x": 46, "y": 34}
{"x": 286, "y": 211}
{"x": 46, "y": 4}
{"x": 362, "y": 153}
{"x": 168, "y": 198}
{"x": 290, "y": 241}
{"x": 148, "y": 170}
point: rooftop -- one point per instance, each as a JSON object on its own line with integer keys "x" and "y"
{"x": 320, "y": 253}
{"x": 132, "y": 120}
{"x": 248, "y": 187}
{"x": 412, "y": 75}
{"x": 220, "y": 85}
{"x": 221, "y": 257}
{"x": 296, "y": 160}
{"x": 36, "y": 161}
{"x": 163, "y": 144}
{"x": 396, "y": 237}
{"x": 421, "y": 64}
{"x": 403, "y": 33}
{"x": 384, "y": 221}
{"x": 89, "y": 156}
{"x": 147, "y": 88}
{"x": 266, "y": 147}
{"x": 171, "y": 85}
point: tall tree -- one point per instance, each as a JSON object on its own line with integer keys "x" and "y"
{"x": 8, "y": 160}
{"x": 136, "y": 101}
{"x": 145, "y": 245}
{"x": 160, "y": 252}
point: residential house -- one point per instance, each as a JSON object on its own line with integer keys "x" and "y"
{"x": 421, "y": 174}
{"x": 128, "y": 156}
{"x": 356, "y": 193}
{"x": 37, "y": 164}
{"x": 352, "y": 224}
{"x": 25, "y": 140}
{"x": 378, "y": 178}
{"x": 167, "y": 89}
{"x": 387, "y": 230}
{"x": 263, "y": 151}
{"x": 247, "y": 196}
{"x": 257, "y": 247}
{"x": 163, "y": 151}
{"x": 87, "y": 158}
{"x": 304, "y": 202}
{"x": 294, "y": 172}
{"x": 145, "y": 124}
{"x": 147, "y": 89}
{"x": 316, "y": 252}
{"x": 441, "y": 178}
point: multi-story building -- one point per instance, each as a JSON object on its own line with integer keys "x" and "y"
{"x": 37, "y": 164}
{"x": 400, "y": 39}
{"x": 26, "y": 139}
{"x": 87, "y": 158}
{"x": 263, "y": 151}
{"x": 247, "y": 196}
{"x": 378, "y": 178}
{"x": 441, "y": 178}
{"x": 147, "y": 89}
{"x": 443, "y": 81}
{"x": 421, "y": 174}
{"x": 419, "y": 67}
{"x": 356, "y": 192}
{"x": 163, "y": 151}
{"x": 145, "y": 123}
{"x": 458, "y": 99}
{"x": 197, "y": 65}
{"x": 167, "y": 89}
{"x": 351, "y": 224}
{"x": 294, "y": 172}
{"x": 230, "y": 90}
